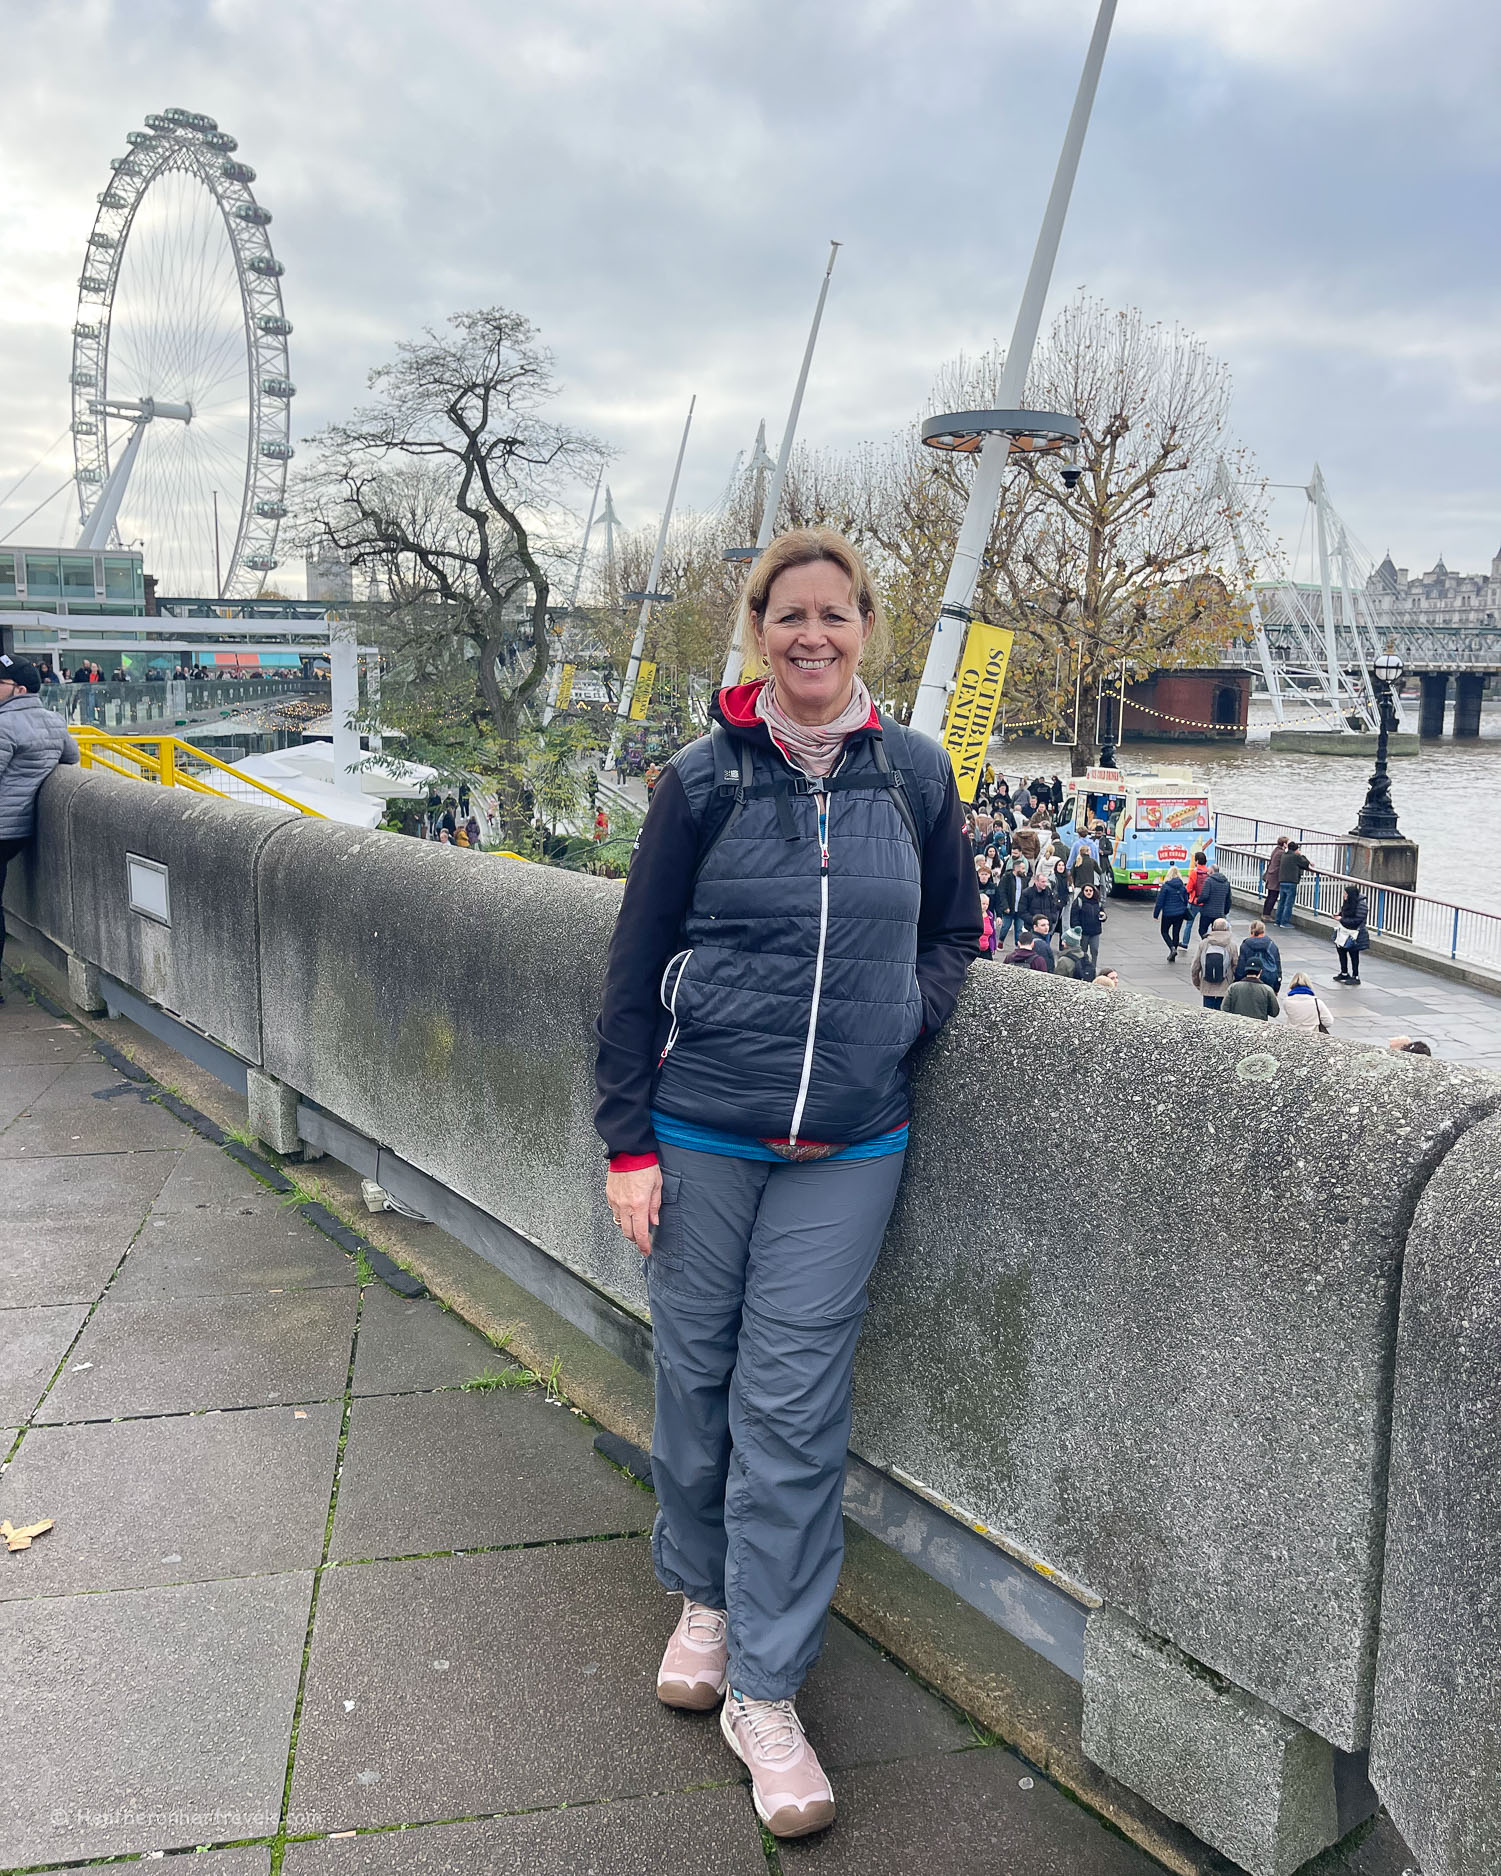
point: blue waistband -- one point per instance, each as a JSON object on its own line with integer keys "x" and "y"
{"x": 745, "y": 1146}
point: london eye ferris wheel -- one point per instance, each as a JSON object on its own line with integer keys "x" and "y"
{"x": 181, "y": 392}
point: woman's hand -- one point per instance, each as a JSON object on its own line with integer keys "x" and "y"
{"x": 635, "y": 1200}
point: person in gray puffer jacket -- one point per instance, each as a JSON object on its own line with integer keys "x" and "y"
{"x": 32, "y": 743}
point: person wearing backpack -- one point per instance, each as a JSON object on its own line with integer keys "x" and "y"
{"x": 1213, "y": 898}
{"x": 1214, "y": 963}
{"x": 32, "y": 743}
{"x": 801, "y": 911}
{"x": 1261, "y": 951}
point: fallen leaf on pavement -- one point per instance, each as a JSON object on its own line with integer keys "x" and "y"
{"x": 20, "y": 1538}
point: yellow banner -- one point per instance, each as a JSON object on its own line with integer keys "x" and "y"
{"x": 976, "y": 699}
{"x": 646, "y": 676}
{"x": 565, "y": 687}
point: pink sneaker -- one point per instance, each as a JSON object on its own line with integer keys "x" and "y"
{"x": 792, "y": 1795}
{"x": 694, "y": 1670}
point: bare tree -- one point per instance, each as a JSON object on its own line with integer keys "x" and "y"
{"x": 449, "y": 490}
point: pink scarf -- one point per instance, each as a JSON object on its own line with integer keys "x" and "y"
{"x": 813, "y": 747}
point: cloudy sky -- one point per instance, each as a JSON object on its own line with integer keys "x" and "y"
{"x": 1309, "y": 184}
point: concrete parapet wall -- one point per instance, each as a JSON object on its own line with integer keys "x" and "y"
{"x": 1137, "y": 1312}
{"x": 1144, "y": 1323}
{"x": 203, "y": 965}
{"x": 39, "y": 881}
{"x": 1436, "y": 1749}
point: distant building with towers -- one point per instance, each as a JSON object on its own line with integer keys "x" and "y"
{"x": 1437, "y": 597}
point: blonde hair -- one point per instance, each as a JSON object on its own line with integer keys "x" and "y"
{"x": 801, "y": 548}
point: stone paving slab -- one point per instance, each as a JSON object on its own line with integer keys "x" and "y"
{"x": 476, "y": 1733}
{"x": 860, "y": 1706}
{"x": 696, "y": 1833}
{"x": 32, "y": 1343}
{"x": 543, "y": 1692}
{"x": 229, "y": 1351}
{"x": 20, "y": 1086}
{"x": 456, "y": 1471}
{"x": 154, "y": 1718}
{"x": 207, "y": 1176}
{"x": 132, "y": 1123}
{"x": 82, "y": 1081}
{"x": 410, "y": 1345}
{"x": 964, "y": 1814}
{"x": 21, "y": 1017}
{"x": 48, "y": 1261}
{"x": 209, "y": 1495}
{"x": 56, "y": 1045}
{"x": 225, "y": 1252}
{"x": 112, "y": 1185}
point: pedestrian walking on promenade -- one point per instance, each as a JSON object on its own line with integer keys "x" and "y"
{"x": 1009, "y": 903}
{"x": 1196, "y": 872}
{"x": 1273, "y": 880}
{"x": 1089, "y": 920}
{"x": 1261, "y": 951}
{"x": 1171, "y": 908}
{"x": 32, "y": 743}
{"x": 1033, "y": 952}
{"x": 1213, "y": 968}
{"x": 1249, "y": 996}
{"x": 1303, "y": 1008}
{"x": 1213, "y": 899}
{"x": 1038, "y": 900}
{"x": 1351, "y": 936}
{"x": 1071, "y": 961}
{"x": 1295, "y": 863}
{"x": 802, "y": 929}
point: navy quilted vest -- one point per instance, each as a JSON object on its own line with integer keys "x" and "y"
{"x": 794, "y": 997}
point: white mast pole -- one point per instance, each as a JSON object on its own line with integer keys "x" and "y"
{"x": 638, "y": 643}
{"x": 985, "y": 491}
{"x": 1331, "y": 648}
{"x": 1243, "y": 560}
{"x": 779, "y": 474}
{"x": 556, "y": 673}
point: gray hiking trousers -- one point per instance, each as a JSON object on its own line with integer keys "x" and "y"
{"x": 757, "y": 1284}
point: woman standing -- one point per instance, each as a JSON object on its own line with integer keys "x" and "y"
{"x": 1351, "y": 936}
{"x": 804, "y": 895}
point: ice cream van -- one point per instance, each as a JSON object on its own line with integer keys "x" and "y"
{"x": 1157, "y": 819}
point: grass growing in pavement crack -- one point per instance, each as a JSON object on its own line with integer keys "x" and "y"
{"x": 279, "y": 1845}
{"x": 771, "y": 1850}
{"x": 498, "y": 1377}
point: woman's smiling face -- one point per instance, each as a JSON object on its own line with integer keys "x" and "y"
{"x": 812, "y": 636}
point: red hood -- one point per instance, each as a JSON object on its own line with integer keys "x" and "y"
{"x": 736, "y": 705}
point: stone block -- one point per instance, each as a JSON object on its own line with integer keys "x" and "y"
{"x": 39, "y": 881}
{"x": 202, "y": 965}
{"x": 471, "y": 1055}
{"x": 1436, "y": 1741}
{"x": 1242, "y": 1776}
{"x": 273, "y": 1111}
{"x": 1157, "y": 1354}
{"x": 84, "y": 992}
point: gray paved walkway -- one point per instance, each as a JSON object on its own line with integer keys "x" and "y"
{"x": 310, "y": 1596}
{"x": 1459, "y": 1022}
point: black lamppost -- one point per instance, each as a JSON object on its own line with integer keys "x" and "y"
{"x": 1110, "y": 735}
{"x": 1378, "y": 818}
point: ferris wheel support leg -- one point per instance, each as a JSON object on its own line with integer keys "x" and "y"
{"x": 96, "y": 530}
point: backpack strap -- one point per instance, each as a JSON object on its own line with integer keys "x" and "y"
{"x": 734, "y": 779}
{"x": 892, "y": 751}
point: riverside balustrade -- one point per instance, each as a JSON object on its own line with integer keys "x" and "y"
{"x": 1463, "y": 934}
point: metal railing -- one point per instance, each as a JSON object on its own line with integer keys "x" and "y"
{"x": 120, "y": 706}
{"x": 1457, "y": 932}
{"x": 174, "y": 763}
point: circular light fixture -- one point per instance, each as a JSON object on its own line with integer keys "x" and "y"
{"x": 963, "y": 432}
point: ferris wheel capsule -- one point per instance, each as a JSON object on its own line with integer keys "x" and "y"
{"x": 180, "y": 341}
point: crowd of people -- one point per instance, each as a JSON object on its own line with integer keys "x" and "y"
{"x": 88, "y": 672}
{"x": 1042, "y": 894}
{"x": 450, "y": 820}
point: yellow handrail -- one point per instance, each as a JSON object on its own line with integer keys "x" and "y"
{"x": 163, "y": 767}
